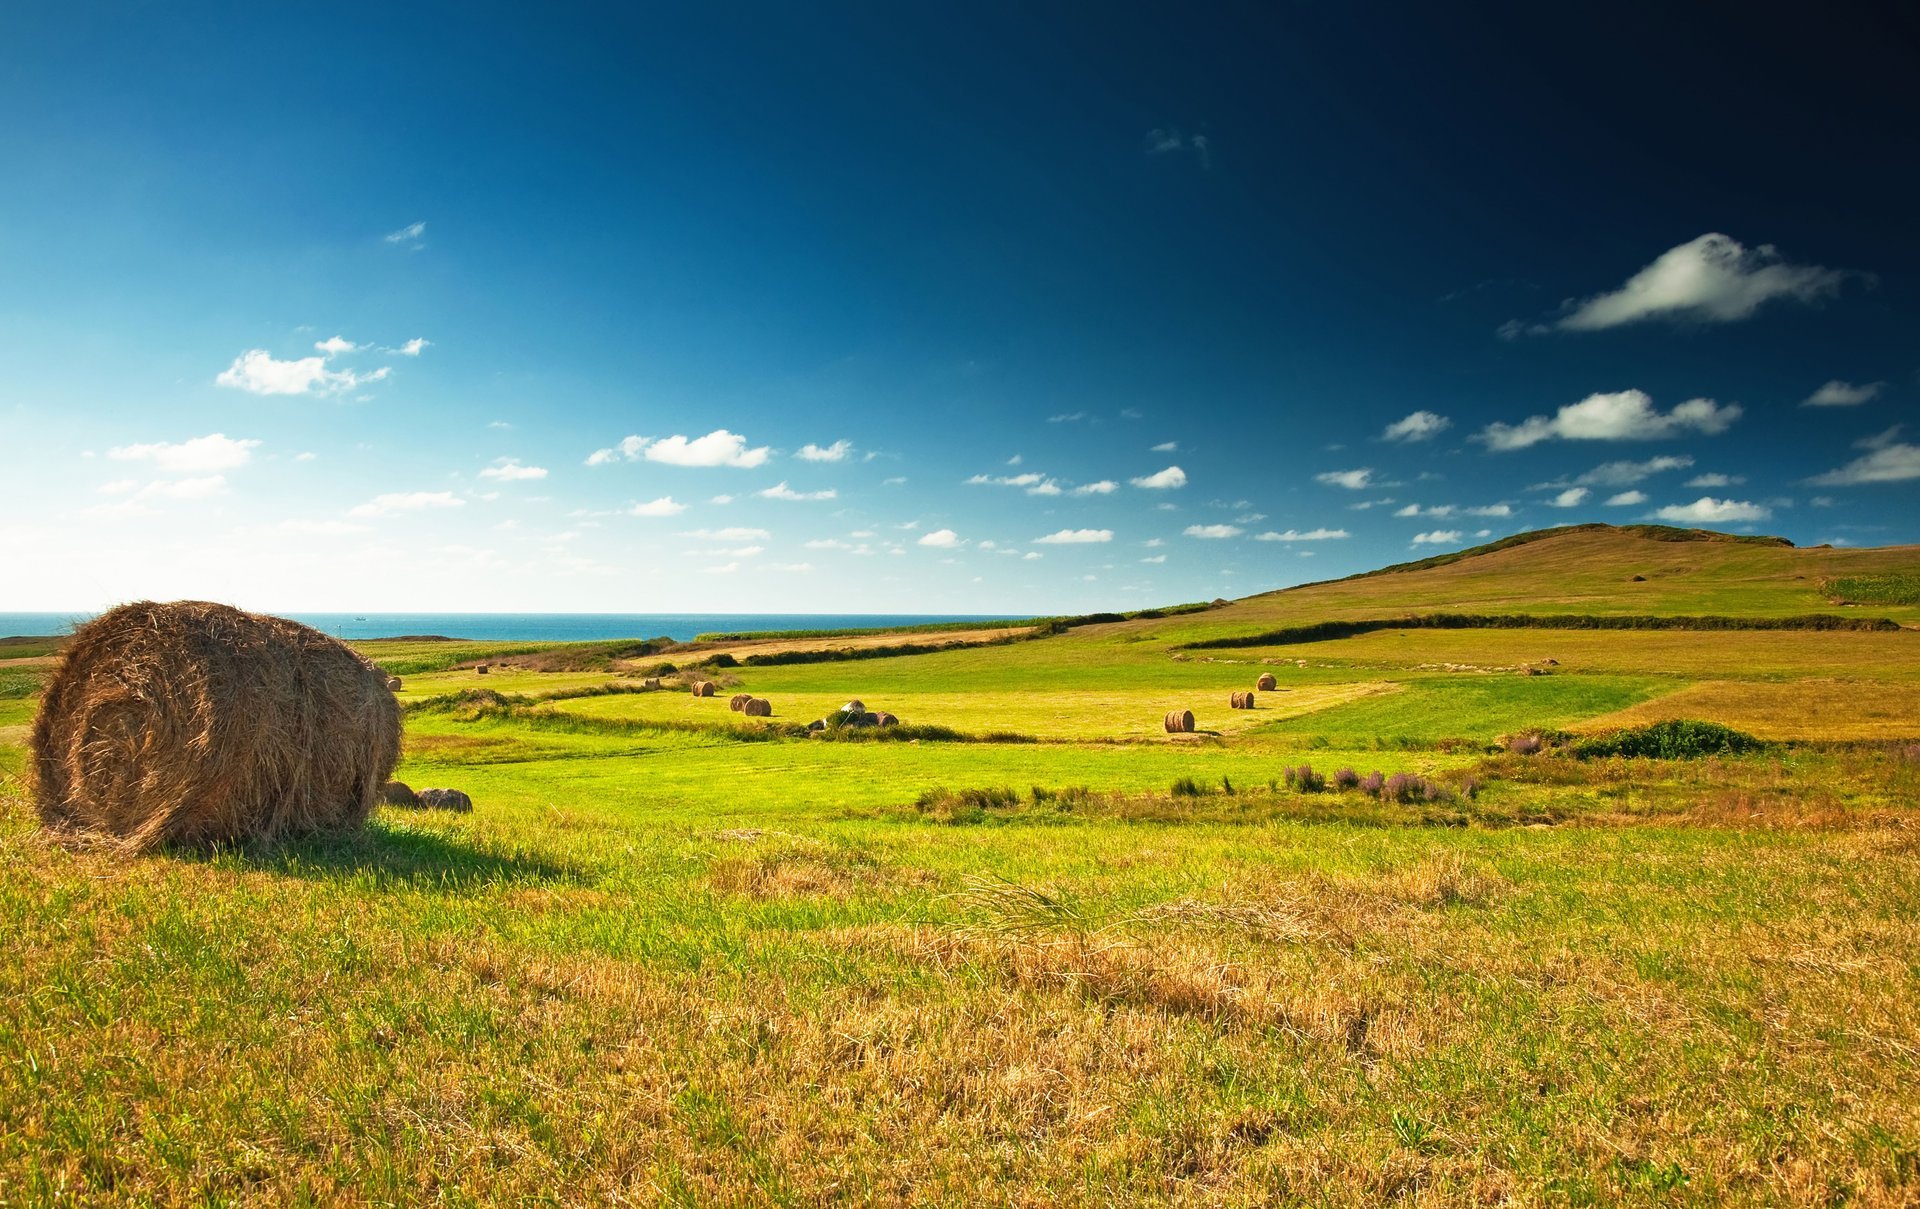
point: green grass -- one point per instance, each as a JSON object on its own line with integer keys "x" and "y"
{"x": 680, "y": 956}
{"x": 1900, "y": 588}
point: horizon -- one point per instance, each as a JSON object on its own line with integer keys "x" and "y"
{"x": 650, "y": 313}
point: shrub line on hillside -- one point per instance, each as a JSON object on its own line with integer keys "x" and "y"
{"x": 1323, "y": 631}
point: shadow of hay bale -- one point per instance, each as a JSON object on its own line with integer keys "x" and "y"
{"x": 401, "y": 856}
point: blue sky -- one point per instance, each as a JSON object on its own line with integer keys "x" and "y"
{"x": 887, "y": 308}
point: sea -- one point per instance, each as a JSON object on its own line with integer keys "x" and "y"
{"x": 542, "y": 627}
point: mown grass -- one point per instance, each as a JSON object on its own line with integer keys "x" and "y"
{"x": 679, "y": 956}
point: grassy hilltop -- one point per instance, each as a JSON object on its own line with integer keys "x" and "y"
{"x": 1031, "y": 948}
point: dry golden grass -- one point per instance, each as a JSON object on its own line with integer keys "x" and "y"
{"x": 1800, "y": 709}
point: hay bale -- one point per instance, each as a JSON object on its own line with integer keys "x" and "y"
{"x": 481, "y": 669}
{"x": 1266, "y": 683}
{"x": 445, "y": 799}
{"x": 738, "y": 701}
{"x": 393, "y": 684}
{"x": 816, "y": 726}
{"x": 757, "y": 707}
{"x": 196, "y": 723}
{"x": 650, "y": 682}
{"x": 1242, "y": 700}
{"x": 702, "y": 688}
{"x": 885, "y": 719}
{"x": 1179, "y": 721}
{"x": 397, "y": 793}
{"x": 853, "y": 707}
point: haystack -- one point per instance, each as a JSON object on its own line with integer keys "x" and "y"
{"x": 1242, "y": 700}
{"x": 1179, "y": 721}
{"x": 397, "y": 793}
{"x": 650, "y": 682}
{"x": 1266, "y": 683}
{"x": 853, "y": 707}
{"x": 757, "y": 707}
{"x": 885, "y": 719}
{"x": 196, "y": 723}
{"x": 445, "y": 799}
{"x": 481, "y": 669}
{"x": 739, "y": 701}
{"x": 702, "y": 688}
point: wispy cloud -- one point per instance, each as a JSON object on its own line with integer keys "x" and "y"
{"x": 1075, "y": 537}
{"x": 1103, "y": 487}
{"x": 780, "y": 491}
{"x": 836, "y": 452}
{"x": 1438, "y": 537}
{"x": 1712, "y": 279}
{"x": 1162, "y": 480}
{"x": 1572, "y": 497}
{"x": 1625, "y": 474}
{"x": 1166, "y": 447}
{"x": 1716, "y": 480}
{"x": 1352, "y": 480}
{"x": 1626, "y": 415}
{"x": 1843, "y": 394}
{"x": 666, "y": 505}
{"x": 215, "y": 451}
{"x": 1168, "y": 140}
{"x": 259, "y": 372}
{"x": 1295, "y": 535}
{"x": 1709, "y": 511}
{"x": 717, "y": 448}
{"x": 1420, "y": 426}
{"x": 412, "y": 348}
{"x": 732, "y": 534}
{"x": 1213, "y": 531}
{"x": 509, "y": 470}
{"x": 411, "y": 234}
{"x": 1626, "y": 499}
{"x": 940, "y": 539}
{"x": 407, "y": 501}
{"x": 1888, "y": 460}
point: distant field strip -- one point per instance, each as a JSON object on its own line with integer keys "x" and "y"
{"x": 1478, "y": 708}
{"x": 1323, "y": 630}
{"x": 1839, "y": 710}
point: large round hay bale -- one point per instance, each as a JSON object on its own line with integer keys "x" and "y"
{"x": 1266, "y": 683}
{"x": 1242, "y": 700}
{"x": 1179, "y": 721}
{"x": 393, "y": 684}
{"x": 757, "y": 707}
{"x": 651, "y": 682}
{"x": 885, "y": 719}
{"x": 196, "y": 723}
{"x": 445, "y": 799}
{"x": 739, "y": 701}
{"x": 853, "y": 707}
{"x": 702, "y": 688}
{"x": 481, "y": 669}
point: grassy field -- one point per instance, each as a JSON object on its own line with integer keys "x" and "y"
{"x": 681, "y": 956}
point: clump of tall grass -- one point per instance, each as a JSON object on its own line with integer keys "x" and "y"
{"x": 1346, "y": 778}
{"x": 1305, "y": 779}
{"x": 1679, "y": 739}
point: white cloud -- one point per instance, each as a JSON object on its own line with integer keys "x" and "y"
{"x": 1155, "y": 558}
{"x": 898, "y": 480}
{"x": 509, "y": 470}
{"x": 184, "y": 489}
{"x": 1294, "y": 535}
{"x": 118, "y": 487}
{"x": 336, "y": 344}
{"x": 1352, "y": 480}
{"x": 664, "y": 506}
{"x": 1420, "y": 426}
{"x": 308, "y": 456}
{"x": 1716, "y": 480}
{"x": 830, "y": 543}
{"x": 1438, "y": 511}
{"x": 732, "y": 534}
{"x": 1166, "y": 447}
{"x": 1067, "y": 417}
{"x": 722, "y": 500}
{"x": 1626, "y": 415}
{"x": 1074, "y": 537}
{"x": 1889, "y": 460}
{"x": 1572, "y": 497}
{"x": 722, "y": 569}
{"x": 628, "y": 450}
{"x": 836, "y": 452}
{"x": 1626, "y": 499}
{"x": 1439, "y": 537}
{"x": 1213, "y": 531}
{"x": 1491, "y": 510}
{"x": 1103, "y": 487}
{"x": 940, "y": 539}
{"x": 1162, "y": 480}
{"x": 1048, "y": 487}
{"x": 407, "y": 501}
{"x": 1028, "y": 479}
{"x": 1015, "y": 460}
{"x": 215, "y": 451}
{"x": 780, "y": 491}
{"x": 717, "y": 448}
{"x": 1712, "y": 279}
{"x": 1707, "y": 511}
{"x": 1843, "y": 394}
{"x": 410, "y": 233}
{"x": 259, "y": 372}
{"x": 413, "y": 347}
{"x": 1625, "y": 474}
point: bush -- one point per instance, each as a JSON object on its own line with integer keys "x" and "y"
{"x": 1373, "y": 783}
{"x": 1525, "y": 745}
{"x": 1305, "y": 779}
{"x": 1187, "y": 787}
{"x": 1680, "y": 739}
{"x": 1346, "y": 778}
